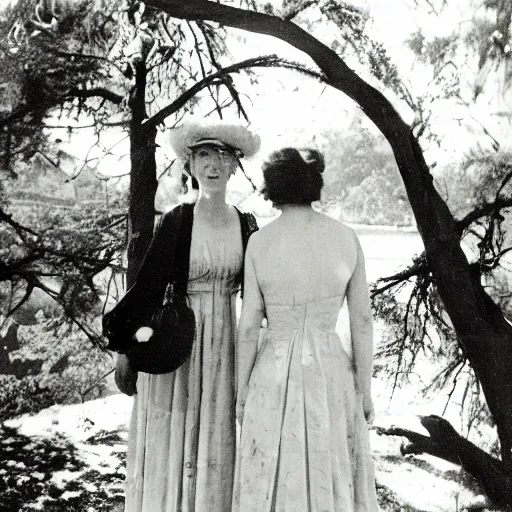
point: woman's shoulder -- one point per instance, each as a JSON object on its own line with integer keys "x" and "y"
{"x": 175, "y": 216}
{"x": 338, "y": 228}
{"x": 177, "y": 210}
{"x": 261, "y": 237}
{"x": 257, "y": 236}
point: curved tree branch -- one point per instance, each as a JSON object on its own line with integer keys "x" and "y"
{"x": 444, "y": 442}
{"x": 266, "y": 61}
{"x": 100, "y": 92}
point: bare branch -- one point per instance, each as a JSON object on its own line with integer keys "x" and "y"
{"x": 495, "y": 144}
{"x": 203, "y": 70}
{"x": 100, "y": 92}
{"x": 462, "y": 363}
{"x": 20, "y": 229}
{"x": 267, "y": 61}
{"x": 483, "y": 211}
{"x": 92, "y": 125}
{"x": 120, "y": 220}
{"x": 418, "y": 267}
{"x": 83, "y": 394}
{"x": 226, "y": 80}
{"x": 403, "y": 339}
{"x": 292, "y": 13}
{"x": 429, "y": 6}
{"x": 26, "y": 296}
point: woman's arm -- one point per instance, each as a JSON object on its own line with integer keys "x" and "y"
{"x": 248, "y": 329}
{"x": 361, "y": 328}
{"x": 137, "y": 306}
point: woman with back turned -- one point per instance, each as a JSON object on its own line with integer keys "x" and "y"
{"x": 303, "y": 403}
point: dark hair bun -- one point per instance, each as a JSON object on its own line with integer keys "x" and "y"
{"x": 293, "y": 176}
{"x": 313, "y": 159}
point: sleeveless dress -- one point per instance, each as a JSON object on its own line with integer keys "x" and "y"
{"x": 181, "y": 453}
{"x": 304, "y": 443}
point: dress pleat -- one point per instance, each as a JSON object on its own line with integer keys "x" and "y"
{"x": 304, "y": 443}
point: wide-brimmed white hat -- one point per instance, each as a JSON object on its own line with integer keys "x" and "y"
{"x": 193, "y": 134}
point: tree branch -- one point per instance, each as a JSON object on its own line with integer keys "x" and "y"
{"x": 20, "y": 229}
{"x": 226, "y": 79}
{"x": 44, "y": 106}
{"x": 24, "y": 110}
{"x": 337, "y": 73}
{"x": 418, "y": 444}
{"x": 26, "y": 296}
{"x": 293, "y": 12}
{"x": 445, "y": 443}
{"x": 483, "y": 211}
{"x": 495, "y": 143}
{"x": 267, "y": 61}
{"x": 100, "y": 92}
{"x": 418, "y": 267}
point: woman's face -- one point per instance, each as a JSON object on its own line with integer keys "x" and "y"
{"x": 212, "y": 167}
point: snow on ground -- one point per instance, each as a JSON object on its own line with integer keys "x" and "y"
{"x": 78, "y": 421}
{"x": 424, "y": 483}
{"x": 66, "y": 458}
{"x": 81, "y": 423}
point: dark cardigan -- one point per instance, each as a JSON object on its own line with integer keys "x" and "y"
{"x": 166, "y": 261}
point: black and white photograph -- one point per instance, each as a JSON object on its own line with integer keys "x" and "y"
{"x": 255, "y": 256}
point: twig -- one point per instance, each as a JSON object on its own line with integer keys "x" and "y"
{"x": 267, "y": 61}
{"x": 98, "y": 381}
{"x": 455, "y": 379}
{"x": 19, "y": 228}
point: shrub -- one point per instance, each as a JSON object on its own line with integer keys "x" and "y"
{"x": 72, "y": 368}
{"x": 21, "y": 396}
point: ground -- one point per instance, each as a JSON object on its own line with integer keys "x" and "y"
{"x": 72, "y": 459}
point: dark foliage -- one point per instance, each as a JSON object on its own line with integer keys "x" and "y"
{"x": 27, "y": 466}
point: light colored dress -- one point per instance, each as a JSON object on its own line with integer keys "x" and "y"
{"x": 181, "y": 451}
{"x": 304, "y": 442}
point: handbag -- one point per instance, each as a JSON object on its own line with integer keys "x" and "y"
{"x": 171, "y": 317}
{"x": 174, "y": 330}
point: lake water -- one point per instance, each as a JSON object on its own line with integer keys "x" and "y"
{"x": 387, "y": 249}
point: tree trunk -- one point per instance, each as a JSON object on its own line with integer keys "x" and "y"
{"x": 483, "y": 333}
{"x": 143, "y": 182}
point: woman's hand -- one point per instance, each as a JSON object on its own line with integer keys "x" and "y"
{"x": 126, "y": 378}
{"x": 369, "y": 413}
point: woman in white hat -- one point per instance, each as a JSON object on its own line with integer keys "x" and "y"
{"x": 181, "y": 450}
